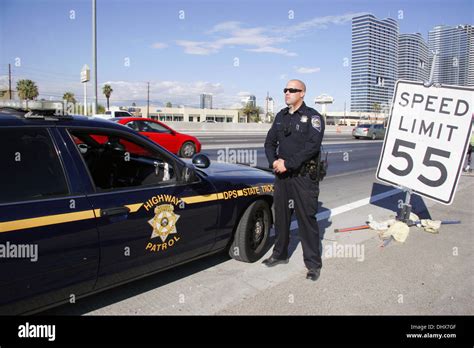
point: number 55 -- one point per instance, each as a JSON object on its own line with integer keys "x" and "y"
{"x": 427, "y": 161}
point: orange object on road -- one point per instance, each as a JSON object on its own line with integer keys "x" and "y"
{"x": 348, "y": 229}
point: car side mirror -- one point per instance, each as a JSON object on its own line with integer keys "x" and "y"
{"x": 200, "y": 160}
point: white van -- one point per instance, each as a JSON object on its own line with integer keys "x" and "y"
{"x": 114, "y": 113}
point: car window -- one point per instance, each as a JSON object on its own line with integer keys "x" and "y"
{"x": 121, "y": 114}
{"x": 133, "y": 125}
{"x": 152, "y": 127}
{"x": 363, "y": 126}
{"x": 116, "y": 162}
{"x": 31, "y": 168}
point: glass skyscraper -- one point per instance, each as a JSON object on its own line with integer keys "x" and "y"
{"x": 206, "y": 101}
{"x": 455, "y": 62}
{"x": 374, "y": 62}
{"x": 414, "y": 58}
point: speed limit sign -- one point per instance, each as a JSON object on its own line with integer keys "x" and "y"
{"x": 427, "y": 138}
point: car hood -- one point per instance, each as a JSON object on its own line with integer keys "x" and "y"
{"x": 219, "y": 169}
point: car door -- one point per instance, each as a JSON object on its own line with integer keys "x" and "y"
{"x": 160, "y": 134}
{"x": 144, "y": 221}
{"x": 48, "y": 236}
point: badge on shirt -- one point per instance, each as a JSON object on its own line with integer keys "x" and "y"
{"x": 304, "y": 119}
{"x": 316, "y": 122}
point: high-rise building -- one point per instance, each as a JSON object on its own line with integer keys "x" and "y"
{"x": 269, "y": 105}
{"x": 374, "y": 62}
{"x": 455, "y": 47}
{"x": 249, "y": 99}
{"x": 269, "y": 108}
{"x": 206, "y": 101}
{"x": 414, "y": 58}
{"x": 470, "y": 54}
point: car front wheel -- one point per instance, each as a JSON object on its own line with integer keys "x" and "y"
{"x": 187, "y": 150}
{"x": 374, "y": 136}
{"x": 252, "y": 234}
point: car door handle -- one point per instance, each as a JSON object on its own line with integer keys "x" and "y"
{"x": 115, "y": 211}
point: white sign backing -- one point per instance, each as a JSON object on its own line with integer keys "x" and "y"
{"x": 427, "y": 137}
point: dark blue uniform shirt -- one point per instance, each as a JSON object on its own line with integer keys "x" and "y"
{"x": 296, "y": 138}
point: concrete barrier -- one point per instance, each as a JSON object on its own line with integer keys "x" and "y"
{"x": 248, "y": 128}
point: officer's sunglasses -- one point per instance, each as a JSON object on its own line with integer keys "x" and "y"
{"x": 292, "y": 90}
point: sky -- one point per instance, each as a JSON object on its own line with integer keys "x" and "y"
{"x": 228, "y": 48}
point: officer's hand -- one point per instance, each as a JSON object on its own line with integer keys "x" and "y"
{"x": 275, "y": 164}
{"x": 280, "y": 167}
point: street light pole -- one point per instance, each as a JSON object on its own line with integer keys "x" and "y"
{"x": 148, "y": 100}
{"x": 94, "y": 54}
{"x": 9, "y": 82}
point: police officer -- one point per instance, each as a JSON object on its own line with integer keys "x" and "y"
{"x": 293, "y": 140}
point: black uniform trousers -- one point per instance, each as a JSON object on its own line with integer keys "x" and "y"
{"x": 299, "y": 194}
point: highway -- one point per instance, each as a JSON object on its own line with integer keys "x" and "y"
{"x": 345, "y": 154}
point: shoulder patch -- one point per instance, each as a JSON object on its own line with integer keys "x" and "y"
{"x": 316, "y": 122}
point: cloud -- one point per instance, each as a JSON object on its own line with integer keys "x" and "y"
{"x": 196, "y": 47}
{"x": 305, "y": 70}
{"x": 268, "y": 49}
{"x": 4, "y": 82}
{"x": 243, "y": 94}
{"x": 177, "y": 92}
{"x": 232, "y": 34}
{"x": 259, "y": 39}
{"x": 319, "y": 23}
{"x": 159, "y": 45}
{"x": 126, "y": 92}
{"x": 225, "y": 26}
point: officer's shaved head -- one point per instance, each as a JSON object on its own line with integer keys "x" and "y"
{"x": 294, "y": 93}
{"x": 301, "y": 83}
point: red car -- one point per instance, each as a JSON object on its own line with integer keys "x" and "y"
{"x": 178, "y": 143}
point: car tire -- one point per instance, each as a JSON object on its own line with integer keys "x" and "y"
{"x": 374, "y": 136}
{"x": 252, "y": 235}
{"x": 188, "y": 149}
{"x": 356, "y": 137}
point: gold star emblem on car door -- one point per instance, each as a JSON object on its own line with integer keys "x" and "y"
{"x": 164, "y": 222}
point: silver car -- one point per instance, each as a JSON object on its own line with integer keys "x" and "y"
{"x": 370, "y": 131}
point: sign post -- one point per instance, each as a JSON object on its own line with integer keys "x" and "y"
{"x": 85, "y": 77}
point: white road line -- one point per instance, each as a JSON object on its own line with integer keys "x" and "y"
{"x": 350, "y": 206}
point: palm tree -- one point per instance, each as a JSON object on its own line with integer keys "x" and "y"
{"x": 69, "y": 97}
{"x": 107, "y": 90}
{"x": 27, "y": 90}
{"x": 376, "y": 107}
{"x": 249, "y": 110}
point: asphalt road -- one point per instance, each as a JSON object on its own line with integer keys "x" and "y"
{"x": 245, "y": 138}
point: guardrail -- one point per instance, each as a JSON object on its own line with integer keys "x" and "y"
{"x": 195, "y": 127}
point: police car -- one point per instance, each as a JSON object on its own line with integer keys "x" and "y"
{"x": 87, "y": 204}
